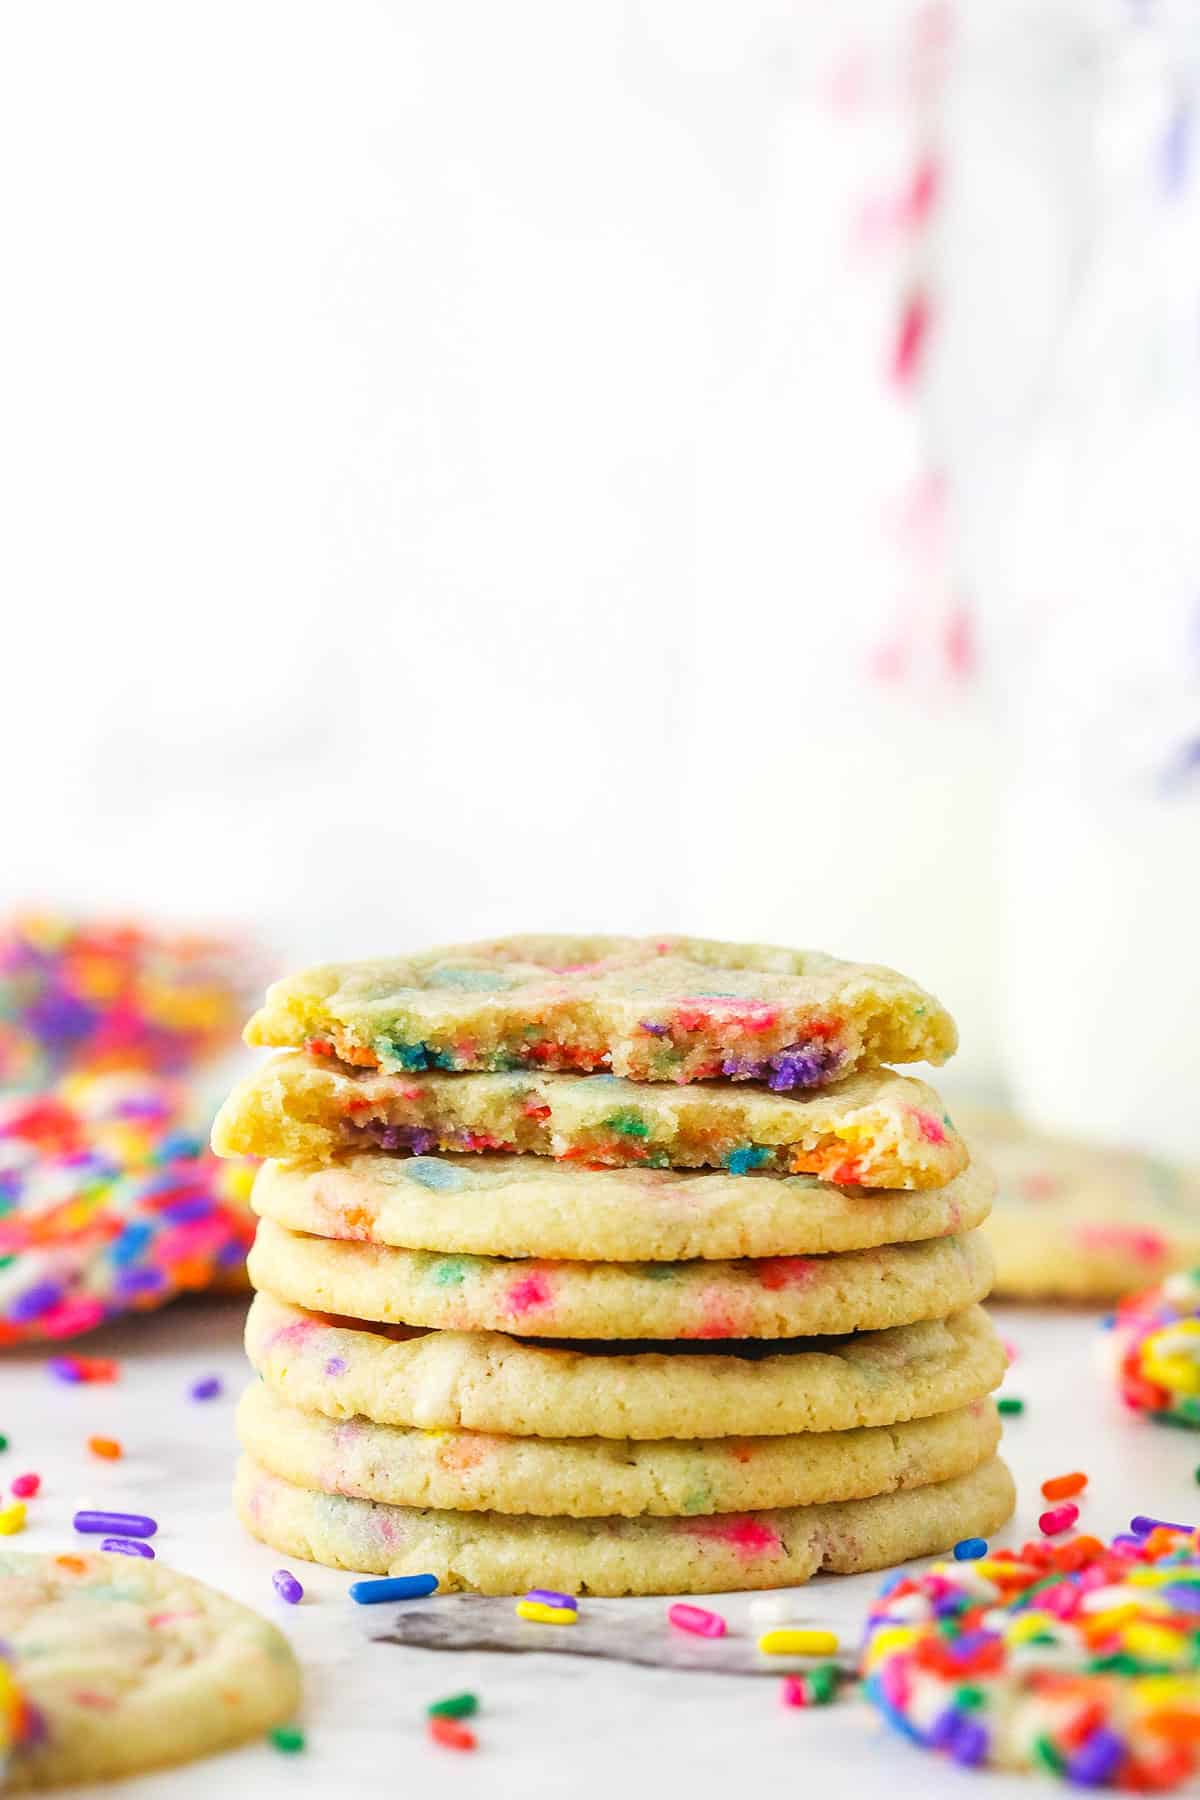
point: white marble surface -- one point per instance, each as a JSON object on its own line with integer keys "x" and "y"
{"x": 549, "y": 1724}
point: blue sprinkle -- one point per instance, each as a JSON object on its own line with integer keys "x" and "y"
{"x": 751, "y": 1156}
{"x": 393, "y": 1587}
{"x": 431, "y": 1172}
{"x": 970, "y": 1549}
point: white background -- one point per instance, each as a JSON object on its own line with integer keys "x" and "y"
{"x": 452, "y": 484}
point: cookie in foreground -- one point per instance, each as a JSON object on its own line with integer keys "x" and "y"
{"x": 765, "y": 1297}
{"x": 526, "y": 1387}
{"x": 129, "y": 1666}
{"x": 499, "y": 1553}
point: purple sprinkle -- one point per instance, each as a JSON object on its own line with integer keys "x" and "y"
{"x": 1142, "y": 1525}
{"x": 1182, "y": 1595}
{"x": 139, "y": 1281}
{"x": 1097, "y": 1759}
{"x": 1125, "y": 1540}
{"x": 127, "y": 1547}
{"x": 287, "y": 1587}
{"x": 136, "y": 1525}
{"x": 206, "y": 1389}
{"x": 801, "y": 1065}
{"x": 335, "y": 1365}
{"x": 65, "y": 1368}
{"x": 652, "y": 1028}
{"x": 970, "y": 1743}
{"x": 35, "y": 1301}
{"x": 549, "y": 1597}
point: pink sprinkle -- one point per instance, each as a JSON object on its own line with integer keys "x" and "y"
{"x": 696, "y": 1620}
{"x": 748, "y": 1536}
{"x": 911, "y": 334}
{"x": 932, "y": 1129}
{"x": 1146, "y": 1246}
{"x": 1059, "y": 1518}
{"x": 26, "y": 1485}
{"x": 73, "y": 1316}
{"x": 530, "y": 1292}
{"x": 1010, "y": 1350}
{"x": 792, "y": 1691}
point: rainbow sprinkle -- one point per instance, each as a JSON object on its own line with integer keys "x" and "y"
{"x": 109, "y": 1204}
{"x": 1078, "y": 1658}
{"x": 77, "y": 995}
{"x": 1156, "y": 1343}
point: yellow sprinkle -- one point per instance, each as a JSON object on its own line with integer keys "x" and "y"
{"x": 1164, "y": 1690}
{"x": 546, "y": 1615}
{"x": 889, "y": 1638}
{"x": 1029, "y": 1625}
{"x": 1154, "y": 1640}
{"x": 787, "y": 1641}
{"x": 12, "y": 1518}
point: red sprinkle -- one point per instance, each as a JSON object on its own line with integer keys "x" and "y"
{"x": 1059, "y": 1518}
{"x": 452, "y": 1734}
{"x": 26, "y": 1485}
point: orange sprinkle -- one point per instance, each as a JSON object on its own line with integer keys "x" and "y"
{"x": 452, "y": 1733}
{"x": 1061, "y": 1487}
{"x": 1173, "y": 1724}
{"x": 74, "y": 1565}
{"x": 109, "y": 1448}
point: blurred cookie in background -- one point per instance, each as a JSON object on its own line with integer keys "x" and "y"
{"x": 1076, "y": 1221}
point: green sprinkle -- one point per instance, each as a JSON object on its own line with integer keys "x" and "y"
{"x": 1197, "y": 1471}
{"x": 969, "y": 1698}
{"x": 628, "y": 1124}
{"x": 5, "y": 1261}
{"x": 822, "y": 1683}
{"x": 3, "y": 1441}
{"x": 450, "y": 1271}
{"x": 1047, "y": 1755}
{"x": 1119, "y": 1663}
{"x": 288, "y": 1738}
{"x": 455, "y": 1706}
{"x": 1009, "y": 1407}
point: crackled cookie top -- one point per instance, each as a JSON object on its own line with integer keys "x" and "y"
{"x": 504, "y": 1553}
{"x": 1077, "y": 1221}
{"x": 490, "y": 1382}
{"x": 526, "y": 1206}
{"x": 772, "y": 1297}
{"x": 472, "y": 1471}
{"x": 876, "y": 1129}
{"x": 127, "y": 1665}
{"x": 652, "y": 1009}
{"x": 1076, "y": 1658}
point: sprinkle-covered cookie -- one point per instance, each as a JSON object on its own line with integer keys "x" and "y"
{"x": 528, "y": 1206}
{"x": 82, "y": 995}
{"x": 768, "y": 1297}
{"x": 652, "y": 1009}
{"x": 126, "y": 1665}
{"x": 489, "y": 1382}
{"x": 474, "y": 1471}
{"x": 1155, "y": 1349}
{"x": 1076, "y": 1221}
{"x": 876, "y": 1130}
{"x": 110, "y": 1203}
{"x": 1077, "y": 1658}
{"x": 503, "y": 1553}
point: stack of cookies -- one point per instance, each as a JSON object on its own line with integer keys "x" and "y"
{"x": 614, "y": 1266}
